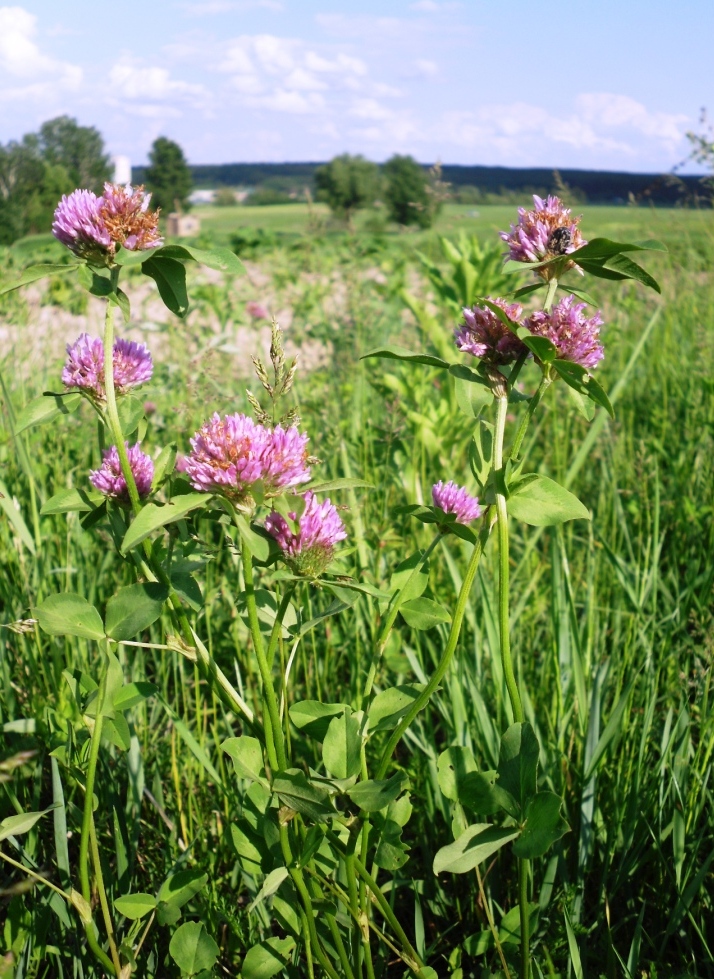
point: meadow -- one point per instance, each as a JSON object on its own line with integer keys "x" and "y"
{"x": 612, "y": 623}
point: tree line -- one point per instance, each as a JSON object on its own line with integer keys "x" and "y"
{"x": 38, "y": 169}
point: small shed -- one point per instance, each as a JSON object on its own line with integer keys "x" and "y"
{"x": 182, "y": 225}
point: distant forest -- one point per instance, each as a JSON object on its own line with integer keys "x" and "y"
{"x": 593, "y": 186}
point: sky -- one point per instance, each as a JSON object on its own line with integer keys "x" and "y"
{"x": 611, "y": 85}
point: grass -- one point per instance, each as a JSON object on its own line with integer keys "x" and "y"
{"x": 613, "y": 624}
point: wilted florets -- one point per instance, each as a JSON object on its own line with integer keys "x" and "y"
{"x": 452, "y": 498}
{"x": 127, "y": 217}
{"x": 85, "y": 365}
{"x": 232, "y": 453}
{"x": 92, "y": 227}
{"x": 310, "y": 547}
{"x": 576, "y": 336}
{"x": 485, "y": 335}
{"x": 78, "y": 224}
{"x": 109, "y": 479}
{"x": 543, "y": 233}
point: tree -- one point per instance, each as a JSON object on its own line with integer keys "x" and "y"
{"x": 407, "y": 192}
{"x": 30, "y": 189}
{"x": 168, "y": 176}
{"x": 79, "y": 149}
{"x": 347, "y": 183}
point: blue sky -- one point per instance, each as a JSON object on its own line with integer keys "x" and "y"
{"x": 607, "y": 85}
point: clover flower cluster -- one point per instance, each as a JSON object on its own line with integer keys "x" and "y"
{"x": 485, "y": 335}
{"x": 109, "y": 479}
{"x": 452, "y": 498}
{"x": 575, "y": 335}
{"x": 85, "y": 366}
{"x": 93, "y": 227}
{"x": 310, "y": 547}
{"x": 543, "y": 233}
{"x": 231, "y": 454}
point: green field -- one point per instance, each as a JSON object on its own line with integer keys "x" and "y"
{"x": 612, "y": 619}
{"x": 484, "y": 220}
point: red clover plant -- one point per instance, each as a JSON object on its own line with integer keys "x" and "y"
{"x": 256, "y": 478}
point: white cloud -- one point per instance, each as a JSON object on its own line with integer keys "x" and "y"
{"x": 426, "y": 67}
{"x": 342, "y": 63}
{"x": 622, "y": 112}
{"x": 282, "y": 74}
{"x": 128, "y": 80}
{"x": 22, "y": 59}
{"x": 229, "y": 6}
{"x": 370, "y": 109}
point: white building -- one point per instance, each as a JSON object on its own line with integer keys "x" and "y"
{"x": 122, "y": 169}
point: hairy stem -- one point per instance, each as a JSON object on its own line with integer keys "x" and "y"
{"x": 545, "y": 383}
{"x": 390, "y": 619}
{"x": 506, "y": 659}
{"x": 504, "y": 568}
{"x": 87, "y": 820}
{"x": 274, "y": 741}
{"x": 445, "y": 661}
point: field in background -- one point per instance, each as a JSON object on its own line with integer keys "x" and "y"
{"x": 626, "y": 653}
{"x": 483, "y": 221}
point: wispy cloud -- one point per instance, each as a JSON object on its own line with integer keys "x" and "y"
{"x": 30, "y": 72}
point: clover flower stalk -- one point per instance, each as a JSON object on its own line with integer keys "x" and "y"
{"x": 546, "y": 232}
{"x": 309, "y": 545}
{"x": 84, "y": 368}
{"x": 452, "y": 498}
{"x": 109, "y": 478}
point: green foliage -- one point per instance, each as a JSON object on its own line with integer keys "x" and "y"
{"x": 347, "y": 183}
{"x": 611, "y": 619}
{"x": 406, "y": 192}
{"x": 168, "y": 176}
{"x": 38, "y": 170}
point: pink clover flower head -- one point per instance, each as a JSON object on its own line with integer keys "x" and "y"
{"x": 545, "y": 232}
{"x": 310, "y": 547}
{"x": 575, "y": 335}
{"x": 78, "y": 224}
{"x": 452, "y": 498}
{"x": 109, "y": 479}
{"x": 127, "y": 218}
{"x": 230, "y": 454}
{"x": 257, "y": 311}
{"x": 484, "y": 335}
{"x": 285, "y": 459}
{"x": 85, "y": 365}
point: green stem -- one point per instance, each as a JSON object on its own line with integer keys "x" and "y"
{"x": 111, "y": 411}
{"x": 277, "y": 625}
{"x": 506, "y": 659}
{"x": 89, "y": 787}
{"x": 87, "y": 819}
{"x": 414, "y": 960}
{"x": 504, "y": 568}
{"x": 456, "y": 623}
{"x": 307, "y": 913}
{"x": 390, "y": 619}
{"x": 523, "y": 866}
{"x": 545, "y": 383}
{"x": 37, "y": 877}
{"x": 550, "y": 294}
{"x": 274, "y": 741}
{"x": 104, "y": 903}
